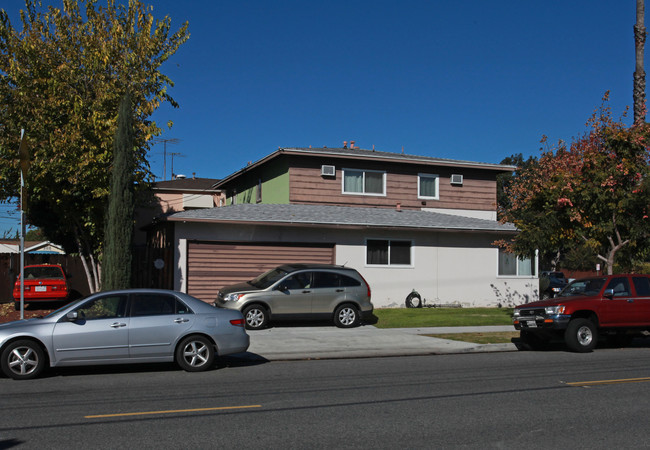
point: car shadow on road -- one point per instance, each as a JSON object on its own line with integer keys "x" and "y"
{"x": 604, "y": 342}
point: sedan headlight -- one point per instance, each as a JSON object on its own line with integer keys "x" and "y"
{"x": 232, "y": 297}
{"x": 552, "y": 310}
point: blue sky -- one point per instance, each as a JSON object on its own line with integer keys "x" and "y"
{"x": 471, "y": 80}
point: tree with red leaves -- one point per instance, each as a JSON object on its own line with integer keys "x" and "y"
{"x": 594, "y": 193}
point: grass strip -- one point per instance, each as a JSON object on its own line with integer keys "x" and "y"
{"x": 441, "y": 317}
{"x": 504, "y": 337}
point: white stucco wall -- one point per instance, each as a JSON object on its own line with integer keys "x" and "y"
{"x": 446, "y": 267}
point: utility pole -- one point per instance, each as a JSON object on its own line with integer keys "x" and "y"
{"x": 23, "y": 153}
{"x": 165, "y": 142}
{"x": 638, "y": 91}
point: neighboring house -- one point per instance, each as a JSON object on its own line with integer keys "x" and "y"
{"x": 181, "y": 194}
{"x": 404, "y": 222}
{"x": 33, "y": 247}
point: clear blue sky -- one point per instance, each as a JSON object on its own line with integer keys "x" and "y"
{"x": 474, "y": 80}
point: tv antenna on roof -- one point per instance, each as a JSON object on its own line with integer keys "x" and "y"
{"x": 165, "y": 142}
{"x": 172, "y": 154}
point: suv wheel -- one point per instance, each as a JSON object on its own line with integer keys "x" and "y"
{"x": 346, "y": 316}
{"x": 581, "y": 335}
{"x": 256, "y": 317}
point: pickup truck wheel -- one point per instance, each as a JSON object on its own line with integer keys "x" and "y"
{"x": 581, "y": 335}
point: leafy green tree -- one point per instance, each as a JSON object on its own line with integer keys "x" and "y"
{"x": 594, "y": 193}
{"x": 504, "y": 180}
{"x": 61, "y": 79}
{"x": 34, "y": 234}
{"x": 118, "y": 237}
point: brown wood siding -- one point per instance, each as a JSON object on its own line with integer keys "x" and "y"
{"x": 307, "y": 186}
{"x": 211, "y": 266}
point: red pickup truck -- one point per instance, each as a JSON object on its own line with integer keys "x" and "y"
{"x": 614, "y": 305}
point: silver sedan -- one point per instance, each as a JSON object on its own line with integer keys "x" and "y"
{"x": 128, "y": 326}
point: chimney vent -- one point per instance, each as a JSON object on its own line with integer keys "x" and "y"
{"x": 351, "y": 144}
{"x": 398, "y": 207}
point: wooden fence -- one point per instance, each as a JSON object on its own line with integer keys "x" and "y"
{"x": 148, "y": 270}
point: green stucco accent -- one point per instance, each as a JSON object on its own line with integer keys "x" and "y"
{"x": 275, "y": 184}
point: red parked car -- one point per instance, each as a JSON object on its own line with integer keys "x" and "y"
{"x": 43, "y": 283}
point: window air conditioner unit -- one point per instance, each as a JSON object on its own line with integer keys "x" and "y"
{"x": 328, "y": 171}
{"x": 456, "y": 179}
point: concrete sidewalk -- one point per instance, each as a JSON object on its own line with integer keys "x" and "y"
{"x": 328, "y": 342}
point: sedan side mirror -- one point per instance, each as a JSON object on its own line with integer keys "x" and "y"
{"x": 72, "y": 316}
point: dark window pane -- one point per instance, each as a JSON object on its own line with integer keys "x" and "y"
{"x": 620, "y": 286}
{"x": 642, "y": 286}
{"x": 152, "y": 305}
{"x": 297, "y": 281}
{"x": 374, "y": 183}
{"x": 326, "y": 280}
{"x": 427, "y": 186}
{"x": 349, "y": 281}
{"x": 353, "y": 181}
{"x": 400, "y": 252}
{"x": 507, "y": 263}
{"x": 377, "y": 252}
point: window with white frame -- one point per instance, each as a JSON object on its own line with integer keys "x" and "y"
{"x": 366, "y": 182}
{"x": 513, "y": 265}
{"x": 388, "y": 252}
{"x": 428, "y": 186}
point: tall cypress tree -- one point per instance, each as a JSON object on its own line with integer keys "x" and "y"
{"x": 638, "y": 89}
{"x": 118, "y": 237}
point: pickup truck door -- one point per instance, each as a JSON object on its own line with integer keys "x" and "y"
{"x": 622, "y": 309}
{"x": 641, "y": 285}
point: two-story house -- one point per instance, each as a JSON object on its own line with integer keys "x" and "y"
{"x": 404, "y": 222}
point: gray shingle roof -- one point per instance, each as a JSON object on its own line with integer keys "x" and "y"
{"x": 337, "y": 216}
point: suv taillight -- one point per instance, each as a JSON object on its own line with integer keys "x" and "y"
{"x": 367, "y": 286}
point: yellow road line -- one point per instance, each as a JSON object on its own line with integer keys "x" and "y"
{"x": 102, "y": 416}
{"x": 600, "y": 382}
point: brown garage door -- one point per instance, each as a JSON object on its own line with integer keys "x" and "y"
{"x": 210, "y": 265}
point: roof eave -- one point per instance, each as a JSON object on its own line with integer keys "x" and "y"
{"x": 351, "y": 226}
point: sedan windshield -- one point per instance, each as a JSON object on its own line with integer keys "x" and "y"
{"x": 269, "y": 278}
{"x": 589, "y": 286}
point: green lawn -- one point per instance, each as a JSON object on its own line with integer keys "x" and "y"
{"x": 441, "y": 317}
{"x": 504, "y": 337}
